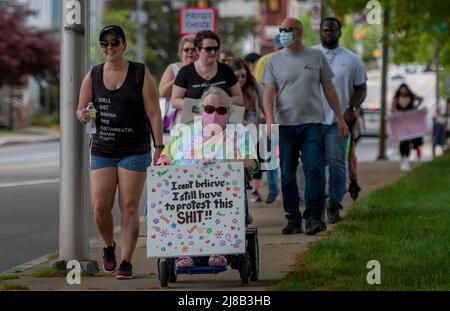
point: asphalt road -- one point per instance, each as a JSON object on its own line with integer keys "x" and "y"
{"x": 29, "y": 203}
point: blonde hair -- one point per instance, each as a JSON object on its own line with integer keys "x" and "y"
{"x": 183, "y": 40}
{"x": 226, "y": 100}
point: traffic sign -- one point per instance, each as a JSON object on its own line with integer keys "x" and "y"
{"x": 316, "y": 15}
{"x": 193, "y": 20}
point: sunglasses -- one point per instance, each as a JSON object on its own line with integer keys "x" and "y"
{"x": 209, "y": 49}
{"x": 287, "y": 29}
{"x": 114, "y": 43}
{"x": 187, "y": 50}
{"x": 220, "y": 110}
{"x": 241, "y": 76}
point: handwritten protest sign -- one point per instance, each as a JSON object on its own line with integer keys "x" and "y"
{"x": 406, "y": 125}
{"x": 196, "y": 210}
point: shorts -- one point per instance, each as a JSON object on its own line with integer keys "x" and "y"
{"x": 137, "y": 163}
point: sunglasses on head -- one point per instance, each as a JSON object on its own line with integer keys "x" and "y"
{"x": 287, "y": 29}
{"x": 187, "y": 50}
{"x": 209, "y": 49}
{"x": 220, "y": 110}
{"x": 114, "y": 43}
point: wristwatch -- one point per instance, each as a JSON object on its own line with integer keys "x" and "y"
{"x": 160, "y": 146}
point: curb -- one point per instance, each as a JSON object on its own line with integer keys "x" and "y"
{"x": 13, "y": 142}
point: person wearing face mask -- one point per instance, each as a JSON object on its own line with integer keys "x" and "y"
{"x": 195, "y": 78}
{"x": 188, "y": 55}
{"x": 404, "y": 100}
{"x": 205, "y": 144}
{"x": 294, "y": 76}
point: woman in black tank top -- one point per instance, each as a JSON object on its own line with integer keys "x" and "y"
{"x": 127, "y": 104}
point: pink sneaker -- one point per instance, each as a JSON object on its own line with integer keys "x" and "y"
{"x": 184, "y": 262}
{"x": 217, "y": 261}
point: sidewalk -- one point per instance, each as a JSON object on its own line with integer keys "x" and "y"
{"x": 31, "y": 134}
{"x": 278, "y": 253}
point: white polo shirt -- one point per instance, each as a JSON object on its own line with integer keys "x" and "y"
{"x": 348, "y": 72}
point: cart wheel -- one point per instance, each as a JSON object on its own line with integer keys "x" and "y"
{"x": 172, "y": 275}
{"x": 245, "y": 270}
{"x": 253, "y": 252}
{"x": 163, "y": 273}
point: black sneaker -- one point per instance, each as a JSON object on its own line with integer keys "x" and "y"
{"x": 109, "y": 258}
{"x": 125, "y": 271}
{"x": 333, "y": 213}
{"x": 315, "y": 226}
{"x": 271, "y": 198}
{"x": 292, "y": 229}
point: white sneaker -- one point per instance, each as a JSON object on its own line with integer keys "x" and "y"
{"x": 405, "y": 165}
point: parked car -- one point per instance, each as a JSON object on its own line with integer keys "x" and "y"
{"x": 397, "y": 74}
{"x": 372, "y": 114}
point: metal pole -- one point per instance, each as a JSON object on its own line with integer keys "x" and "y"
{"x": 140, "y": 44}
{"x": 74, "y": 188}
{"x": 384, "y": 68}
{"x": 436, "y": 58}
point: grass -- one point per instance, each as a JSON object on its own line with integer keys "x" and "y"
{"x": 46, "y": 272}
{"x": 53, "y": 255}
{"x": 405, "y": 226}
{"x": 6, "y": 277}
{"x": 15, "y": 287}
{"x": 45, "y": 120}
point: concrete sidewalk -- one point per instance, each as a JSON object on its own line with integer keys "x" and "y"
{"x": 33, "y": 134}
{"x": 278, "y": 253}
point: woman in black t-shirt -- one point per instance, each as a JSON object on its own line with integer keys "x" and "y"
{"x": 126, "y": 100}
{"x": 194, "y": 79}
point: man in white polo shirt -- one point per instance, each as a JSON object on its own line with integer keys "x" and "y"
{"x": 350, "y": 83}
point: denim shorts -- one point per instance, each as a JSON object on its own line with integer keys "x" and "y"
{"x": 137, "y": 163}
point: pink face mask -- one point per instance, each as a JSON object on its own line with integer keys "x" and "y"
{"x": 211, "y": 118}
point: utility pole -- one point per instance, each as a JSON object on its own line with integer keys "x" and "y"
{"x": 436, "y": 61}
{"x": 384, "y": 68}
{"x": 74, "y": 152}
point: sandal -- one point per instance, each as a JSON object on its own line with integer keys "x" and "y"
{"x": 217, "y": 261}
{"x": 184, "y": 262}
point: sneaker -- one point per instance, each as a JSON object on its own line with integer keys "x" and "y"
{"x": 292, "y": 229}
{"x": 256, "y": 197}
{"x": 272, "y": 198}
{"x": 125, "y": 271}
{"x": 109, "y": 258}
{"x": 333, "y": 213}
{"x": 405, "y": 165}
{"x": 315, "y": 226}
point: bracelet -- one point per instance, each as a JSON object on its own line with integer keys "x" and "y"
{"x": 160, "y": 146}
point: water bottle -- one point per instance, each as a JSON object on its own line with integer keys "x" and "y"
{"x": 90, "y": 125}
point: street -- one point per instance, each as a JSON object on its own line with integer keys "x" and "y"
{"x": 29, "y": 212}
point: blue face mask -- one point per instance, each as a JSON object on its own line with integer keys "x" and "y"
{"x": 287, "y": 38}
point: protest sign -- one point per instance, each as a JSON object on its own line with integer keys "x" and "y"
{"x": 193, "y": 20}
{"x": 196, "y": 210}
{"x": 404, "y": 125}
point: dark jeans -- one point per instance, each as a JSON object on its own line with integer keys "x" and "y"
{"x": 307, "y": 138}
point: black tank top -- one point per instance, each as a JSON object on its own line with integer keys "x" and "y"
{"x": 123, "y": 128}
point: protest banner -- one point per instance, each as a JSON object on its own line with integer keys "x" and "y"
{"x": 404, "y": 125}
{"x": 196, "y": 210}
